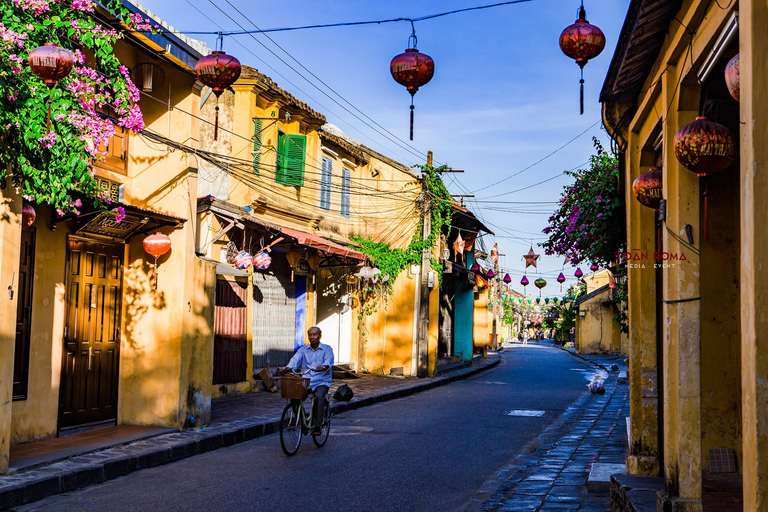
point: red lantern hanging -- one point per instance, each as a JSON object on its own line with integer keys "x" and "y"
{"x": 28, "y": 214}
{"x": 51, "y": 63}
{"x": 582, "y": 42}
{"x": 647, "y": 188}
{"x": 579, "y": 274}
{"x": 412, "y": 69}
{"x": 218, "y": 71}
{"x": 732, "y": 79}
{"x": 705, "y": 147}
{"x": 156, "y": 245}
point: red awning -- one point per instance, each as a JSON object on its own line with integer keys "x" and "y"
{"x": 321, "y": 243}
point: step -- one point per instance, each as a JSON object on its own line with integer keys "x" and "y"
{"x": 623, "y": 378}
{"x": 600, "y": 475}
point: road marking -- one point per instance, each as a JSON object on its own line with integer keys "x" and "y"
{"x": 349, "y": 430}
{"x": 525, "y": 412}
{"x": 492, "y": 382}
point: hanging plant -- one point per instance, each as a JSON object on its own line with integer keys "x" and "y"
{"x": 589, "y": 221}
{"x": 51, "y": 161}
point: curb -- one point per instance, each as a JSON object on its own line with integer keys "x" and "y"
{"x": 583, "y": 358}
{"x": 97, "y": 467}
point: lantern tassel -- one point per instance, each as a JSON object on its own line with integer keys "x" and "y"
{"x": 155, "y": 272}
{"x": 706, "y": 211}
{"x": 412, "y": 107}
{"x": 216, "y": 124}
{"x": 581, "y": 92}
{"x": 48, "y": 123}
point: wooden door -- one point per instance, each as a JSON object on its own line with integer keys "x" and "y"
{"x": 24, "y": 314}
{"x": 91, "y": 334}
{"x": 230, "y": 332}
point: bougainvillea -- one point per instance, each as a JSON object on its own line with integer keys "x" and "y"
{"x": 589, "y": 221}
{"x": 50, "y": 164}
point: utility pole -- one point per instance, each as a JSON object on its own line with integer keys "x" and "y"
{"x": 423, "y": 330}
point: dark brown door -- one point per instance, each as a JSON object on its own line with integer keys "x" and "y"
{"x": 229, "y": 334}
{"x": 24, "y": 314}
{"x": 92, "y": 333}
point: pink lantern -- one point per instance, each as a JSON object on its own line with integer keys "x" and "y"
{"x": 732, "y": 79}
{"x": 593, "y": 267}
{"x": 578, "y": 273}
{"x": 243, "y": 260}
{"x": 28, "y": 214}
{"x": 474, "y": 268}
{"x": 262, "y": 261}
{"x": 507, "y": 279}
{"x": 524, "y": 281}
{"x": 561, "y": 280}
{"x": 491, "y": 274}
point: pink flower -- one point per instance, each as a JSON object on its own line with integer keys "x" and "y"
{"x": 120, "y": 214}
{"x": 47, "y": 140}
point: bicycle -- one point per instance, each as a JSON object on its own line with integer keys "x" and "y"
{"x": 295, "y": 422}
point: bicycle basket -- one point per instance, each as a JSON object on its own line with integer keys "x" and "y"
{"x": 294, "y": 387}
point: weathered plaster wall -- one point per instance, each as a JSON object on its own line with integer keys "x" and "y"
{"x": 37, "y": 416}
{"x": 10, "y": 235}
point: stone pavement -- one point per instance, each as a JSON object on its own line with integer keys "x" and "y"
{"x": 552, "y": 472}
{"x": 235, "y": 419}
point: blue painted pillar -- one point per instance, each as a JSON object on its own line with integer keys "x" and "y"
{"x": 301, "y": 311}
{"x": 463, "y": 311}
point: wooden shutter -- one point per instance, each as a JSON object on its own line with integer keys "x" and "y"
{"x": 292, "y": 152}
{"x": 257, "y": 127}
{"x": 325, "y": 184}
{"x": 346, "y": 178}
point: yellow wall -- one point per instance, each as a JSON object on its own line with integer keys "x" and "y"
{"x": 482, "y": 321}
{"x": 596, "y": 332}
{"x": 10, "y": 234}
{"x": 37, "y": 416}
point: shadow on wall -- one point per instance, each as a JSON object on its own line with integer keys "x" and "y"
{"x": 138, "y": 280}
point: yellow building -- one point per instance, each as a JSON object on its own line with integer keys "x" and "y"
{"x": 300, "y": 187}
{"x": 100, "y": 339}
{"x": 697, "y": 327}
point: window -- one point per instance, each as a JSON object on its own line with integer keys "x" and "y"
{"x": 115, "y": 155}
{"x": 346, "y": 179}
{"x": 325, "y": 184}
{"x": 290, "y": 159}
{"x": 257, "y": 128}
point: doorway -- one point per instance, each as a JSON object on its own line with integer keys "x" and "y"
{"x": 90, "y": 364}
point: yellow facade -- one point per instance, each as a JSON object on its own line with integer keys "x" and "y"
{"x": 164, "y": 332}
{"x": 695, "y": 323}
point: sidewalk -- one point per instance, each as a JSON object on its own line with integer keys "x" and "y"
{"x": 552, "y": 473}
{"x": 234, "y": 419}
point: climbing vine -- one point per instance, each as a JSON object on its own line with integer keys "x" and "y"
{"x": 50, "y": 163}
{"x": 621, "y": 300}
{"x": 392, "y": 261}
{"x": 434, "y": 200}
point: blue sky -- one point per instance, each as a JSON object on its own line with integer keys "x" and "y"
{"x": 503, "y": 96}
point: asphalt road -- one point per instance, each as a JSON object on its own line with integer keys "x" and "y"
{"x": 431, "y": 451}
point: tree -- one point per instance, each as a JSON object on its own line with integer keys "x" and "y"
{"x": 51, "y": 164}
{"x": 589, "y": 221}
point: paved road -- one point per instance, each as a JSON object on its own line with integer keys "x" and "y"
{"x": 430, "y": 451}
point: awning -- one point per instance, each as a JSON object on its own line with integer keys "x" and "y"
{"x": 317, "y": 242}
{"x": 222, "y": 269}
{"x": 104, "y": 223}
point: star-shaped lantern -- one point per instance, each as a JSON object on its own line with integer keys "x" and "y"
{"x": 458, "y": 247}
{"x": 495, "y": 254}
{"x": 530, "y": 258}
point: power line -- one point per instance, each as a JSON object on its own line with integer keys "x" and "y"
{"x": 352, "y": 23}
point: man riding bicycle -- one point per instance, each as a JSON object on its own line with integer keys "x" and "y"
{"x": 318, "y": 358}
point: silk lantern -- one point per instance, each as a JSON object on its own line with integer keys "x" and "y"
{"x": 51, "y": 63}
{"x": 218, "y": 71}
{"x": 561, "y": 280}
{"x": 705, "y": 147}
{"x": 412, "y": 69}
{"x": 582, "y": 42}
{"x": 156, "y": 245}
{"x": 28, "y": 214}
{"x": 578, "y": 273}
{"x": 732, "y": 79}
{"x": 540, "y": 283}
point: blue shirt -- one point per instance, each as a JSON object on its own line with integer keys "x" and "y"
{"x": 306, "y": 358}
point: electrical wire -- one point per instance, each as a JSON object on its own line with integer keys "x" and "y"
{"x": 353, "y": 23}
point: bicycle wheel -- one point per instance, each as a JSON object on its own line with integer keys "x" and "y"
{"x": 325, "y": 427}
{"x": 290, "y": 429}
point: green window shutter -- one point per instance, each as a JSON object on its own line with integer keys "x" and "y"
{"x": 257, "y": 127}
{"x": 292, "y": 153}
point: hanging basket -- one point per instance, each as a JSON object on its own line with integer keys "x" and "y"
{"x": 295, "y": 388}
